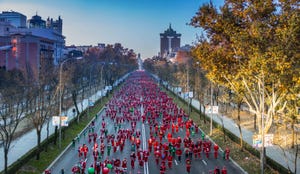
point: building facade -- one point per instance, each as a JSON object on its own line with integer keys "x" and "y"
{"x": 30, "y": 47}
{"x": 36, "y": 22}
{"x": 169, "y": 42}
{"x": 55, "y": 25}
{"x": 14, "y": 18}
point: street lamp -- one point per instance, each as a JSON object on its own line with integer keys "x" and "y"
{"x": 211, "y": 107}
{"x": 60, "y": 94}
{"x": 90, "y": 82}
{"x": 262, "y": 155}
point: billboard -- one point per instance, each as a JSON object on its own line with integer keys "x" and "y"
{"x": 64, "y": 120}
{"x": 257, "y": 141}
{"x": 211, "y": 109}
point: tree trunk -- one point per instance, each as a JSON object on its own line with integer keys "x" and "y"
{"x": 199, "y": 110}
{"x": 223, "y": 129}
{"x": 239, "y": 124}
{"x": 55, "y": 135}
{"x": 74, "y": 98}
{"x": 38, "y": 133}
{"x": 296, "y": 156}
{"x": 47, "y": 136}
{"x": 5, "y": 159}
{"x": 293, "y": 133}
{"x": 204, "y": 115}
{"x": 254, "y": 124}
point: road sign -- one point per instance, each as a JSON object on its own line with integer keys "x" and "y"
{"x": 64, "y": 120}
{"x": 215, "y": 109}
{"x": 257, "y": 142}
{"x": 55, "y": 120}
{"x": 191, "y": 94}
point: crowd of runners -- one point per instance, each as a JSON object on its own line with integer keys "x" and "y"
{"x": 171, "y": 137}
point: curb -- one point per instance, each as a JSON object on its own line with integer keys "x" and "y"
{"x": 221, "y": 150}
{"x": 69, "y": 146}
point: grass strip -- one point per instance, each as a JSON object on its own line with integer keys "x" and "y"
{"x": 46, "y": 157}
{"x": 245, "y": 159}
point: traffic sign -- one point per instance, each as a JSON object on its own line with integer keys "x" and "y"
{"x": 63, "y": 119}
{"x": 215, "y": 109}
{"x": 257, "y": 141}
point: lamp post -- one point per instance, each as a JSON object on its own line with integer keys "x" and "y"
{"x": 211, "y": 107}
{"x": 60, "y": 95}
{"x": 262, "y": 155}
{"x": 188, "y": 90}
{"x": 90, "y": 80}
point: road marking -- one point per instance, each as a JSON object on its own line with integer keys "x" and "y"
{"x": 146, "y": 168}
{"x": 204, "y": 162}
{"x": 176, "y": 162}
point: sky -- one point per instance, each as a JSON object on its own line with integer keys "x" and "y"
{"x": 136, "y": 24}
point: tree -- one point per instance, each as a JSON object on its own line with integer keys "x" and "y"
{"x": 201, "y": 85}
{"x": 244, "y": 48}
{"x": 252, "y": 44}
{"x": 44, "y": 96}
{"x": 12, "y": 107}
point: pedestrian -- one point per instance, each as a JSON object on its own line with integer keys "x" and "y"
{"x": 108, "y": 149}
{"x": 80, "y": 151}
{"x": 207, "y": 151}
{"x": 179, "y": 153}
{"x": 170, "y": 161}
{"x": 98, "y": 167}
{"x": 227, "y": 151}
{"x": 188, "y": 164}
{"x": 186, "y": 151}
{"x": 75, "y": 169}
{"x": 157, "y": 155}
{"x": 217, "y": 170}
{"x": 216, "y": 148}
{"x": 47, "y": 171}
{"x": 85, "y": 150}
{"x": 124, "y": 164}
{"x": 83, "y": 166}
{"x": 163, "y": 168}
{"x": 224, "y": 170}
{"x": 132, "y": 163}
{"x": 141, "y": 163}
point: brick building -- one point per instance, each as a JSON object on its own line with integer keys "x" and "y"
{"x": 30, "y": 47}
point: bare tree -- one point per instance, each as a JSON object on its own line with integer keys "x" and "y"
{"x": 11, "y": 109}
{"x": 44, "y": 97}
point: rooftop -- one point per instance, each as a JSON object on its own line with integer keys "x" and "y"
{"x": 170, "y": 32}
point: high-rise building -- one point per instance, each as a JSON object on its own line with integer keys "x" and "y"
{"x": 169, "y": 41}
{"x": 14, "y": 18}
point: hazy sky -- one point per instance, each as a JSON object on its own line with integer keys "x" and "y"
{"x": 135, "y": 24}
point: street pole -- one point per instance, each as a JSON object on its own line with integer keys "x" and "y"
{"x": 60, "y": 96}
{"x": 90, "y": 86}
{"x": 211, "y": 107}
{"x": 188, "y": 90}
{"x": 262, "y": 155}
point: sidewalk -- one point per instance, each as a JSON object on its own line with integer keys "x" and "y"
{"x": 274, "y": 152}
{"x": 28, "y": 141}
